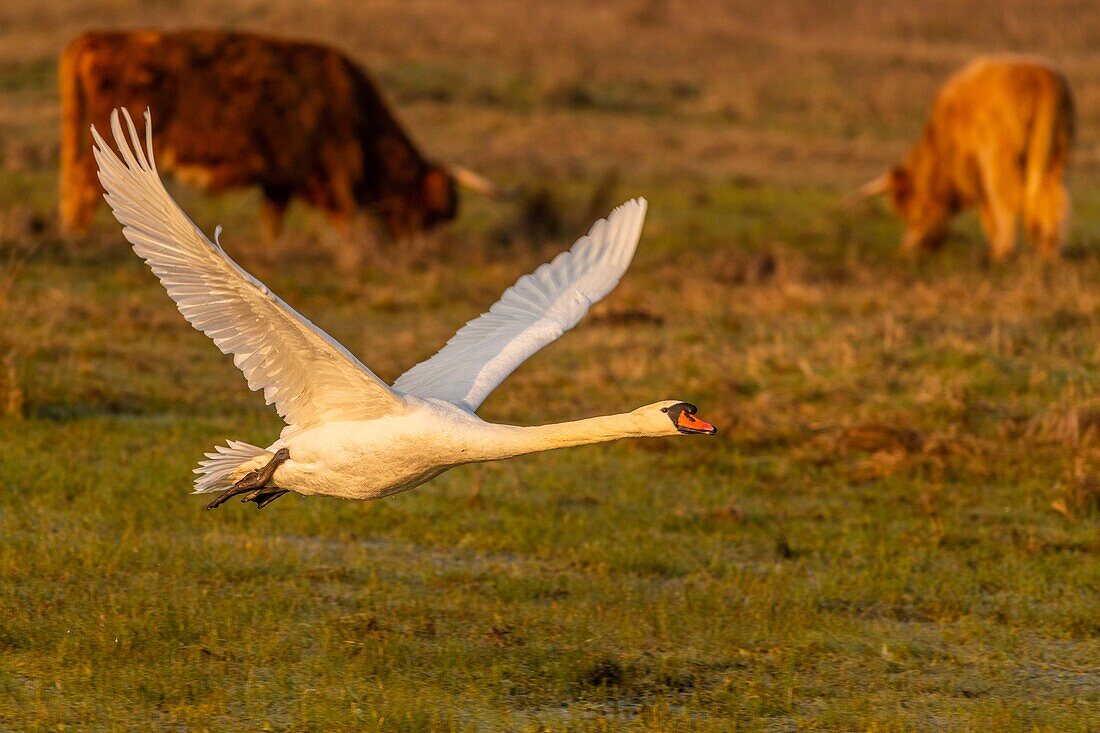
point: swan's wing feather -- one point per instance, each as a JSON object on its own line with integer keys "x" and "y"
{"x": 535, "y": 311}
{"x": 309, "y": 377}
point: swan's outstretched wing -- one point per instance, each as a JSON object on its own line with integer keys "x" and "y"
{"x": 535, "y": 311}
{"x": 302, "y": 370}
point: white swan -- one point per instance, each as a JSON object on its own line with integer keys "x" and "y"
{"x": 348, "y": 434}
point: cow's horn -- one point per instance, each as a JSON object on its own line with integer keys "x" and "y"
{"x": 477, "y": 182}
{"x": 873, "y": 187}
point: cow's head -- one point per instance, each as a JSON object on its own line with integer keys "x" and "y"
{"x": 433, "y": 198}
{"x": 430, "y": 199}
{"x": 914, "y": 197}
{"x": 439, "y": 196}
{"x": 925, "y": 211}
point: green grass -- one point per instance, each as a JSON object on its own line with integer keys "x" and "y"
{"x": 869, "y": 543}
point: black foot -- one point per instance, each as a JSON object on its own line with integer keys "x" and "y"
{"x": 263, "y": 497}
{"x": 254, "y": 480}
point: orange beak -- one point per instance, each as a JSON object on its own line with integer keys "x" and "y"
{"x": 688, "y": 423}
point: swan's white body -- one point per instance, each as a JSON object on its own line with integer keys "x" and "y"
{"x": 375, "y": 458}
{"x": 348, "y": 434}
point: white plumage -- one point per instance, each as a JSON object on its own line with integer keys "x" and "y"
{"x": 535, "y": 311}
{"x": 348, "y": 433}
{"x": 308, "y": 376}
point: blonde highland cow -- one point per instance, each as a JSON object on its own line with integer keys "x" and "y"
{"x": 998, "y": 140}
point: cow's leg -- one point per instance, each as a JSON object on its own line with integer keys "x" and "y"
{"x": 1002, "y": 196}
{"x": 988, "y": 220}
{"x": 272, "y": 210}
{"x": 348, "y": 252}
{"x": 999, "y": 224}
{"x": 339, "y": 205}
{"x": 1045, "y": 216}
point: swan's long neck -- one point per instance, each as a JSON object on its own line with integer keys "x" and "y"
{"x": 506, "y": 441}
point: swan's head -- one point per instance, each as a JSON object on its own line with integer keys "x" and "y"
{"x": 673, "y": 417}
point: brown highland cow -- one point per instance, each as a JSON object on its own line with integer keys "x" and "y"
{"x": 238, "y": 109}
{"x": 998, "y": 140}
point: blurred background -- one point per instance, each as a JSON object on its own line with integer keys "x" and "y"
{"x": 802, "y": 94}
{"x": 896, "y": 528}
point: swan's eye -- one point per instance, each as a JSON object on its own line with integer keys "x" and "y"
{"x": 664, "y": 409}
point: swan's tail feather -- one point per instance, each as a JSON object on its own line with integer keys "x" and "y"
{"x": 223, "y": 467}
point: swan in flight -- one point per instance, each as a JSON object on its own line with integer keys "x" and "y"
{"x": 348, "y": 433}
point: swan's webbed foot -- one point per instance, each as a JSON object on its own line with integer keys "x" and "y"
{"x": 254, "y": 482}
{"x": 263, "y": 497}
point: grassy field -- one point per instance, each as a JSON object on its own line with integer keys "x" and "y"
{"x": 897, "y": 529}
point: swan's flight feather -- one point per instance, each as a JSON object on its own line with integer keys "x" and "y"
{"x": 534, "y": 312}
{"x": 310, "y": 378}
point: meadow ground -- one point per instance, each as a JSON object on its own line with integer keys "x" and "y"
{"x": 898, "y": 528}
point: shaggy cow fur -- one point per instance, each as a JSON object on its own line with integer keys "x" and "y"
{"x": 238, "y": 109}
{"x": 998, "y": 140}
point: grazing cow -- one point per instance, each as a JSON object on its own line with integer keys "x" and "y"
{"x": 238, "y": 109}
{"x": 998, "y": 140}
